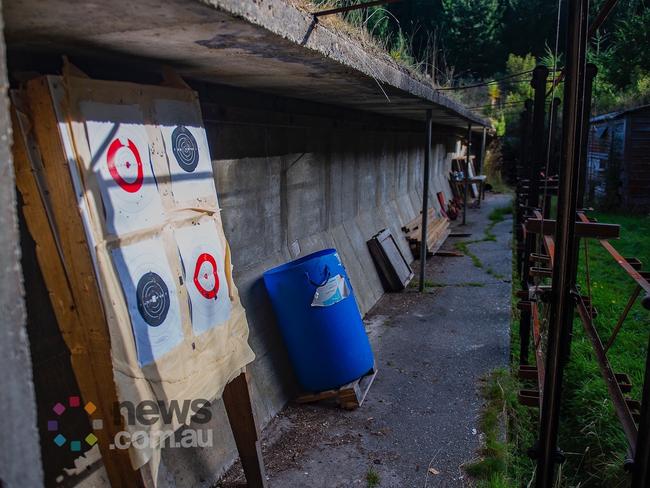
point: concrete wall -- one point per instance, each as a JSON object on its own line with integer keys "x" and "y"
{"x": 20, "y": 456}
{"x": 291, "y": 177}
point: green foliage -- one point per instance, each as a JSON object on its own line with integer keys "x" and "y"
{"x": 507, "y": 428}
{"x": 623, "y": 62}
{"x": 473, "y": 28}
{"x": 372, "y": 478}
{"x": 499, "y": 213}
{"x": 589, "y": 427}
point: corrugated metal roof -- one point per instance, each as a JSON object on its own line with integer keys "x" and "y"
{"x": 617, "y": 114}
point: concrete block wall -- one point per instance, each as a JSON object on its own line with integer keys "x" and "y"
{"x": 293, "y": 179}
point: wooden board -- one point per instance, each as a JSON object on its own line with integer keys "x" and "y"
{"x": 68, "y": 271}
{"x": 394, "y": 270}
{"x": 437, "y": 233}
{"x": 54, "y": 220}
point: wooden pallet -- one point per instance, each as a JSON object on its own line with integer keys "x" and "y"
{"x": 349, "y": 396}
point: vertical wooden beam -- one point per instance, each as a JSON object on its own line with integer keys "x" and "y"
{"x": 236, "y": 398}
{"x": 70, "y": 277}
{"x": 590, "y": 74}
{"x": 540, "y": 74}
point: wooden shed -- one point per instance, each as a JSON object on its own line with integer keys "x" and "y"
{"x": 618, "y": 159}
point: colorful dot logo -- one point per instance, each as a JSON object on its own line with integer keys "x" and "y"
{"x": 74, "y": 402}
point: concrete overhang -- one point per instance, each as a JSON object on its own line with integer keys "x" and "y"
{"x": 268, "y": 46}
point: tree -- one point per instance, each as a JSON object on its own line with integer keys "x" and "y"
{"x": 472, "y": 34}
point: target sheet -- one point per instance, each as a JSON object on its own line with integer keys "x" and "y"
{"x": 186, "y": 145}
{"x": 151, "y": 296}
{"x": 121, "y": 163}
{"x": 204, "y": 263}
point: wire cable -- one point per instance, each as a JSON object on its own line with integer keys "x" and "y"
{"x": 486, "y": 83}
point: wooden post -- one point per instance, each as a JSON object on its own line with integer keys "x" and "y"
{"x": 69, "y": 275}
{"x": 236, "y": 398}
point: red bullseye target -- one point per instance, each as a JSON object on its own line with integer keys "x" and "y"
{"x": 206, "y": 278}
{"x": 125, "y": 165}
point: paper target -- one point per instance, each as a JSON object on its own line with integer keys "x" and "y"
{"x": 121, "y": 163}
{"x": 206, "y": 277}
{"x": 185, "y": 149}
{"x": 151, "y": 297}
{"x": 186, "y": 145}
{"x": 203, "y": 258}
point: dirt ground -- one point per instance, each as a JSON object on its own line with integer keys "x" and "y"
{"x": 419, "y": 423}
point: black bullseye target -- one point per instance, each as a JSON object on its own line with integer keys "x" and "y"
{"x": 185, "y": 149}
{"x": 152, "y": 296}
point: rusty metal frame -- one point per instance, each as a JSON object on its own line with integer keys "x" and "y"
{"x": 616, "y": 395}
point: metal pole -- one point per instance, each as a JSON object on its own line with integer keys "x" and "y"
{"x": 482, "y": 160}
{"x": 466, "y": 185}
{"x": 425, "y": 197}
{"x": 522, "y": 194}
{"x": 551, "y": 153}
{"x": 641, "y": 468}
{"x": 562, "y": 305}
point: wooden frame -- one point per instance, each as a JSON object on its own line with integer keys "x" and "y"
{"x": 52, "y": 217}
{"x": 394, "y": 270}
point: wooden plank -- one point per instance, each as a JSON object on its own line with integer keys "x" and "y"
{"x": 449, "y": 254}
{"x": 394, "y": 270}
{"x": 629, "y": 268}
{"x": 236, "y": 398}
{"x": 583, "y": 229}
{"x": 83, "y": 326}
{"x": 361, "y": 389}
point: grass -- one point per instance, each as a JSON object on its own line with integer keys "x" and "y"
{"x": 500, "y": 463}
{"x": 496, "y": 215}
{"x": 372, "y": 478}
{"x": 434, "y": 284}
{"x": 590, "y": 434}
{"x": 590, "y": 430}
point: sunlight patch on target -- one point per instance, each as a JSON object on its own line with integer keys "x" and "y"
{"x": 203, "y": 259}
{"x": 151, "y": 296}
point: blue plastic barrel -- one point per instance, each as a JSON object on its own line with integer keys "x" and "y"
{"x": 319, "y": 320}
